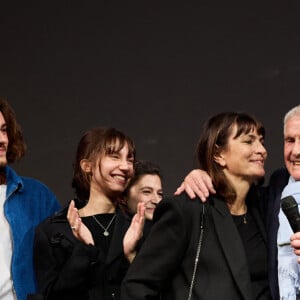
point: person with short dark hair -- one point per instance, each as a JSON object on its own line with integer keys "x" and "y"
{"x": 145, "y": 188}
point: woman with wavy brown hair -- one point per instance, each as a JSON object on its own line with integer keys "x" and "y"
{"x": 217, "y": 249}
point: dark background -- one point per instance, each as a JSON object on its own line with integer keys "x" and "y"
{"x": 155, "y": 70}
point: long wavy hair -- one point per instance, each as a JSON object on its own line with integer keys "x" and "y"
{"x": 16, "y": 145}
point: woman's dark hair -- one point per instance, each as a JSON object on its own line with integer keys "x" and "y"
{"x": 16, "y": 145}
{"x": 95, "y": 142}
{"x": 214, "y": 138}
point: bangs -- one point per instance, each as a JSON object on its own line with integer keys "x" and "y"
{"x": 115, "y": 143}
{"x": 246, "y": 124}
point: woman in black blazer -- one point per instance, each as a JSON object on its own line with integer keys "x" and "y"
{"x": 78, "y": 253}
{"x": 232, "y": 263}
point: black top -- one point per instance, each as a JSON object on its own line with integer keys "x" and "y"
{"x": 166, "y": 261}
{"x": 101, "y": 241}
{"x": 256, "y": 254}
{"x": 68, "y": 269}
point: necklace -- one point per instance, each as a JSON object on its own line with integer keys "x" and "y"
{"x": 240, "y": 219}
{"x": 245, "y": 218}
{"x": 238, "y": 216}
{"x": 105, "y": 232}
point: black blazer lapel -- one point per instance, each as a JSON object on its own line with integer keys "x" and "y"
{"x": 232, "y": 246}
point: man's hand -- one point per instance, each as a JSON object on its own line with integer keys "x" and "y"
{"x": 197, "y": 183}
{"x": 295, "y": 243}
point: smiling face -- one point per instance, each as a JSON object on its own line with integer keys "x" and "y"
{"x": 3, "y": 141}
{"x": 148, "y": 190}
{"x": 292, "y": 146}
{"x": 244, "y": 156}
{"x": 112, "y": 172}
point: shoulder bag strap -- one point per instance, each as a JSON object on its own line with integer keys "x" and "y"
{"x": 197, "y": 254}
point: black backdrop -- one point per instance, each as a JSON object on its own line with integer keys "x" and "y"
{"x": 154, "y": 70}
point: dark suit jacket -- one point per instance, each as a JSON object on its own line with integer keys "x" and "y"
{"x": 68, "y": 269}
{"x": 272, "y": 193}
{"x": 166, "y": 260}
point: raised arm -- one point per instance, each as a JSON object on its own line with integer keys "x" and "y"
{"x": 62, "y": 263}
{"x": 160, "y": 255}
{"x": 80, "y": 231}
{"x": 197, "y": 183}
{"x": 134, "y": 233}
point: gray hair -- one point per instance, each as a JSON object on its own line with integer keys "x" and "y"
{"x": 295, "y": 111}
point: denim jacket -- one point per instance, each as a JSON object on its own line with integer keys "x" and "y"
{"x": 28, "y": 202}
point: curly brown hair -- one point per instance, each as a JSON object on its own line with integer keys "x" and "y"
{"x": 16, "y": 146}
{"x": 141, "y": 168}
